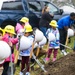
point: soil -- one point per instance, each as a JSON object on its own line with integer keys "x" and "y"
{"x": 63, "y": 66}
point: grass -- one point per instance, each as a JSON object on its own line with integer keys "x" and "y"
{"x": 58, "y": 57}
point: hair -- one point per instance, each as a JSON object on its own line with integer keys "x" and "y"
{"x": 72, "y": 14}
{"x": 1, "y": 32}
{"x": 30, "y": 33}
{"x": 21, "y": 22}
{"x": 44, "y": 9}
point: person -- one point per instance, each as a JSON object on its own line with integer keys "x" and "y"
{"x": 26, "y": 53}
{"x": 9, "y": 33}
{"x": 1, "y": 35}
{"x": 63, "y": 24}
{"x": 53, "y": 44}
{"x": 45, "y": 19}
{"x": 19, "y": 30}
{"x": 20, "y": 25}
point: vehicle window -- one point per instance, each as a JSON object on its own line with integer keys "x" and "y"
{"x": 35, "y": 6}
{"x": 53, "y": 9}
{"x": 12, "y": 6}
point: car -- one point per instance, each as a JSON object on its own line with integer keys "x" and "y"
{"x": 12, "y": 11}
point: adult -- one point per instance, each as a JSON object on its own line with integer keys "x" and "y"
{"x": 45, "y": 19}
{"x": 63, "y": 24}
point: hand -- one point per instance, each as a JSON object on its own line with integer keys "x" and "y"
{"x": 10, "y": 43}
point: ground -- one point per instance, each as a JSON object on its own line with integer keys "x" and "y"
{"x": 63, "y": 66}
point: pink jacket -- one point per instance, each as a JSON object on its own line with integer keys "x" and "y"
{"x": 18, "y": 27}
{"x": 14, "y": 41}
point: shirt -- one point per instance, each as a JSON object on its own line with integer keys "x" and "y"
{"x": 65, "y": 21}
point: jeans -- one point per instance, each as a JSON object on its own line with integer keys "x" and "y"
{"x": 43, "y": 29}
{"x": 63, "y": 35}
{"x": 5, "y": 66}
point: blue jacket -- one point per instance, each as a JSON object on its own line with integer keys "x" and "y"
{"x": 65, "y": 21}
{"x": 53, "y": 44}
{"x": 27, "y": 52}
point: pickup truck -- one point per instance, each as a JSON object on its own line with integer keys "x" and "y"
{"x": 12, "y": 11}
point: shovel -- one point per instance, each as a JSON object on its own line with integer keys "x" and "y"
{"x": 65, "y": 46}
{"x": 11, "y": 68}
{"x": 37, "y": 61}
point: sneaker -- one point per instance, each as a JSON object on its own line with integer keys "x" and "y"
{"x": 21, "y": 73}
{"x": 54, "y": 59}
{"x": 46, "y": 60}
{"x": 27, "y": 73}
{"x": 64, "y": 52}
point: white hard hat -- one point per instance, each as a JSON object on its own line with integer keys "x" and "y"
{"x": 25, "y": 43}
{"x": 5, "y": 51}
{"x": 38, "y": 35}
{"x": 51, "y": 37}
{"x": 70, "y": 32}
{"x": 43, "y": 42}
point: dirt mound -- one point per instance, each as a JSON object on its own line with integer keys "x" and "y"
{"x": 63, "y": 66}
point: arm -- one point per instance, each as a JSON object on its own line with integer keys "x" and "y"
{"x": 49, "y": 17}
{"x": 57, "y": 36}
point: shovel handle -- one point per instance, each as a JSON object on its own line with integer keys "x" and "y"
{"x": 66, "y": 40}
{"x": 38, "y": 50}
{"x": 17, "y": 53}
{"x": 31, "y": 52}
{"x": 16, "y": 57}
{"x": 47, "y": 46}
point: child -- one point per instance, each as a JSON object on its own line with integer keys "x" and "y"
{"x": 26, "y": 53}
{"x": 20, "y": 25}
{"x": 1, "y": 35}
{"x": 19, "y": 29}
{"x": 53, "y": 45}
{"x": 8, "y": 37}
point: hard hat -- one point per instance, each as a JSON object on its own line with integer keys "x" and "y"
{"x": 70, "y": 32}
{"x": 51, "y": 37}
{"x": 25, "y": 43}
{"x": 43, "y": 42}
{"x": 5, "y": 51}
{"x": 24, "y": 19}
{"x": 38, "y": 35}
{"x": 9, "y": 29}
{"x": 28, "y": 28}
{"x": 53, "y": 23}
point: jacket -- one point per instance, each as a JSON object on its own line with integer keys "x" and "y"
{"x": 45, "y": 20}
{"x": 27, "y": 51}
{"x": 14, "y": 41}
{"x": 53, "y": 44}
